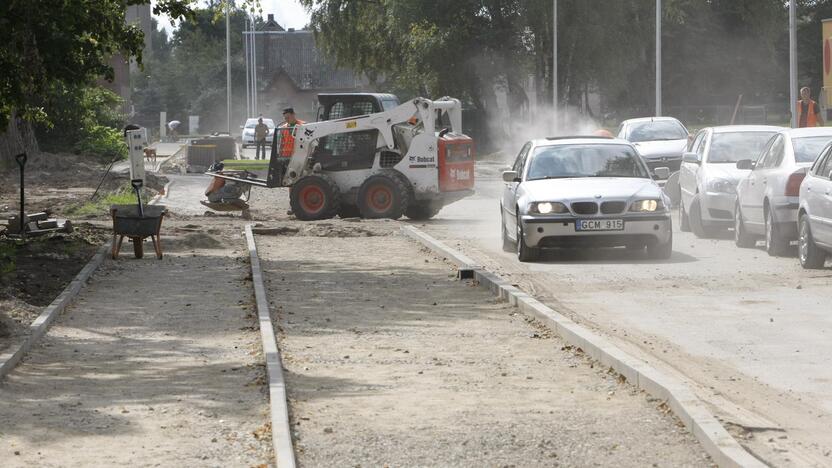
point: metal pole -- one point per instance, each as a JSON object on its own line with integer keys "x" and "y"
{"x": 248, "y": 79}
{"x": 658, "y": 58}
{"x": 255, "y": 104}
{"x": 793, "y": 60}
{"x": 555, "y": 64}
{"x": 228, "y": 63}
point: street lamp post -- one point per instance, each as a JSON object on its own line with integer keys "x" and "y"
{"x": 658, "y": 58}
{"x": 556, "y": 121}
{"x": 228, "y": 63}
{"x": 793, "y": 60}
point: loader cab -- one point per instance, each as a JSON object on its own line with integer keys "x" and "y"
{"x": 355, "y": 150}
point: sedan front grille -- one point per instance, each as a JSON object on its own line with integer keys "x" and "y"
{"x": 585, "y": 208}
{"x": 613, "y": 207}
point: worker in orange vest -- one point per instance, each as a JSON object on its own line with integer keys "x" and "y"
{"x": 808, "y": 111}
{"x": 287, "y": 138}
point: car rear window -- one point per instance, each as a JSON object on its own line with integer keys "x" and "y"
{"x": 659, "y": 130}
{"x": 734, "y": 146}
{"x": 586, "y": 160}
{"x": 807, "y": 149}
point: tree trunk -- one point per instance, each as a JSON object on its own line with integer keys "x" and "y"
{"x": 18, "y": 137}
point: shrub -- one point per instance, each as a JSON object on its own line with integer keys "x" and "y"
{"x": 104, "y": 142}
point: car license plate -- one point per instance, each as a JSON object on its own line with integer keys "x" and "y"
{"x": 599, "y": 225}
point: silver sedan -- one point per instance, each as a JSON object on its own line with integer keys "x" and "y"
{"x": 583, "y": 192}
{"x": 767, "y": 199}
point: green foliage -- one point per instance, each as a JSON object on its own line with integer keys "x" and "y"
{"x": 101, "y": 206}
{"x": 103, "y": 142}
{"x": 77, "y": 116}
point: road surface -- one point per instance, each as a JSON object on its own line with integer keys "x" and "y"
{"x": 749, "y": 332}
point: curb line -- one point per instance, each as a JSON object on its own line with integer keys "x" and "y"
{"x": 39, "y": 327}
{"x": 716, "y": 441}
{"x": 281, "y": 433}
{"x": 160, "y": 197}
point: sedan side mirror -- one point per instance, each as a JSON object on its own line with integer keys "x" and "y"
{"x": 510, "y": 176}
{"x": 745, "y": 164}
{"x": 692, "y": 158}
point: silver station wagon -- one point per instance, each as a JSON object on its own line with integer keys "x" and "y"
{"x": 583, "y": 192}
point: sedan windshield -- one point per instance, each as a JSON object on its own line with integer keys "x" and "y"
{"x": 590, "y": 160}
{"x": 660, "y": 130}
{"x": 732, "y": 147}
{"x": 807, "y": 149}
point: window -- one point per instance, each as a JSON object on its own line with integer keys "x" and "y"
{"x": 824, "y": 165}
{"x": 588, "y": 160}
{"x": 520, "y": 162}
{"x": 656, "y": 130}
{"x": 735, "y": 146}
{"x": 773, "y": 153}
{"x": 696, "y": 141}
{"x": 700, "y": 150}
{"x": 807, "y": 149}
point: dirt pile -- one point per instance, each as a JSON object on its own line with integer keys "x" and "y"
{"x": 320, "y": 230}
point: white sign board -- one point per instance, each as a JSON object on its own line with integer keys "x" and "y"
{"x": 193, "y": 124}
{"x": 136, "y": 143}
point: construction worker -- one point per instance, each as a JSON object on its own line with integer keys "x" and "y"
{"x": 287, "y": 138}
{"x": 808, "y": 111}
{"x": 261, "y": 131}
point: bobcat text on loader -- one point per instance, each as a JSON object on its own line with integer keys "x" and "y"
{"x": 410, "y": 160}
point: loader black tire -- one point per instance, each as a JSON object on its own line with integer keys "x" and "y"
{"x": 383, "y": 196}
{"x": 315, "y": 197}
{"x": 348, "y": 211}
{"x": 420, "y": 211}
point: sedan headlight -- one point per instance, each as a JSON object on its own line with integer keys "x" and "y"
{"x": 721, "y": 186}
{"x": 547, "y": 208}
{"x": 647, "y": 206}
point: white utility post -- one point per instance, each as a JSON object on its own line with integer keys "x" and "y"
{"x": 658, "y": 58}
{"x": 248, "y": 78}
{"x": 228, "y": 62}
{"x": 556, "y": 122}
{"x": 793, "y": 61}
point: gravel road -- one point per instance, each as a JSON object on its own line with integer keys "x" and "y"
{"x": 749, "y": 332}
{"x": 392, "y": 362}
{"x": 156, "y": 364}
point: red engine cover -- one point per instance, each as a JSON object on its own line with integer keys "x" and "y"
{"x": 456, "y": 163}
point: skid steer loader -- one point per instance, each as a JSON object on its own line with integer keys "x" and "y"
{"x": 410, "y": 160}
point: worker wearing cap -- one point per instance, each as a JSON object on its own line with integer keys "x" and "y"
{"x": 287, "y": 137}
{"x": 808, "y": 111}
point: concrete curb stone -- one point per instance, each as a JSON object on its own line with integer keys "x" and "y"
{"x": 279, "y": 407}
{"x": 41, "y": 324}
{"x": 717, "y": 442}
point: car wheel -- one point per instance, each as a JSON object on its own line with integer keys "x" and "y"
{"x": 524, "y": 252}
{"x": 661, "y": 251}
{"x": 684, "y": 221}
{"x": 742, "y": 239}
{"x": 699, "y": 228}
{"x": 811, "y": 256}
{"x": 776, "y": 245}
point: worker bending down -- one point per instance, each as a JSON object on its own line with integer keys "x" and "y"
{"x": 222, "y": 190}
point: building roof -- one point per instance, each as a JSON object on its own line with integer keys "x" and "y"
{"x": 295, "y": 54}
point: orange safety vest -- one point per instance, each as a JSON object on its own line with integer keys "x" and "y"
{"x": 811, "y": 118}
{"x": 287, "y": 139}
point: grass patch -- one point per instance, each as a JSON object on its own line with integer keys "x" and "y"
{"x": 101, "y": 205}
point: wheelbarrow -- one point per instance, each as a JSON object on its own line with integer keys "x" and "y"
{"x": 137, "y": 222}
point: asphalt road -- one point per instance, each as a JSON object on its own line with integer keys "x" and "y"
{"x": 750, "y": 333}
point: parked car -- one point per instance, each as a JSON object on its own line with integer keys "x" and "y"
{"x": 709, "y": 176}
{"x": 814, "y": 215}
{"x": 659, "y": 140}
{"x": 768, "y": 198}
{"x": 583, "y": 192}
{"x": 248, "y": 131}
